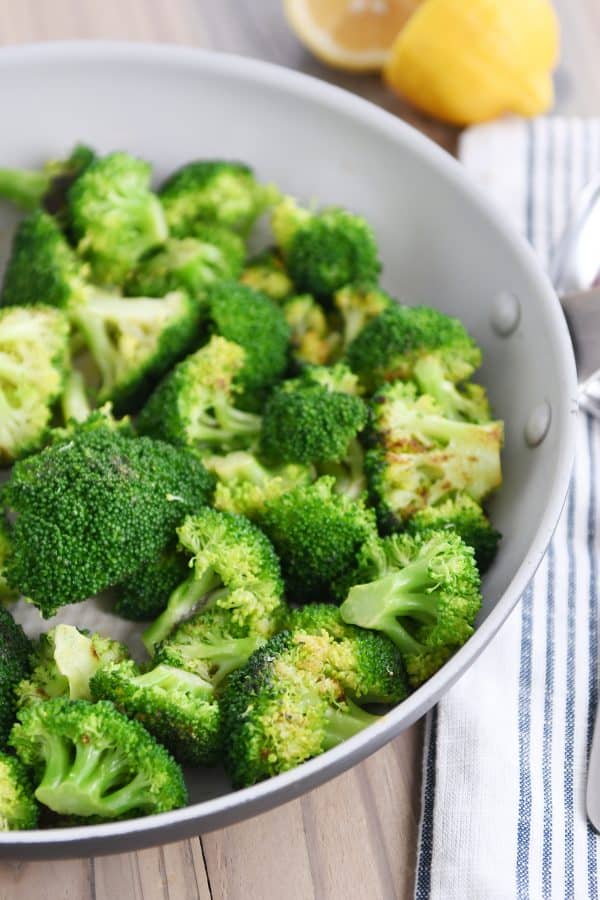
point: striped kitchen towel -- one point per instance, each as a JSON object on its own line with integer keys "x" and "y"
{"x": 506, "y": 749}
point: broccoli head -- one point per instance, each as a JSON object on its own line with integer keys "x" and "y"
{"x": 424, "y": 595}
{"x": 175, "y": 706}
{"x": 466, "y": 402}
{"x": 7, "y": 594}
{"x": 15, "y": 649}
{"x": 313, "y": 340}
{"x": 114, "y": 216}
{"x": 89, "y": 760}
{"x": 48, "y": 186}
{"x": 145, "y": 594}
{"x": 90, "y": 510}
{"x": 18, "y": 809}
{"x": 215, "y": 192}
{"x": 266, "y": 274}
{"x": 324, "y": 251}
{"x": 358, "y": 304}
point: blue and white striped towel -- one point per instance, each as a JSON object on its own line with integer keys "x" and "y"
{"x": 506, "y": 750}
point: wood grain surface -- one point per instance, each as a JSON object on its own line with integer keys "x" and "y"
{"x": 355, "y": 837}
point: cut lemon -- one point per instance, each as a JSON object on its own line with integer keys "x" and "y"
{"x": 349, "y": 34}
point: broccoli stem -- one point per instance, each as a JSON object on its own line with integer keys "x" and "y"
{"x": 190, "y": 594}
{"x": 224, "y": 655}
{"x": 74, "y": 402}
{"x": 349, "y": 475}
{"x": 25, "y": 188}
{"x": 431, "y": 379}
{"x": 175, "y": 680}
{"x": 345, "y": 723}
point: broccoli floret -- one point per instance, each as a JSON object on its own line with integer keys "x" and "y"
{"x": 33, "y": 360}
{"x": 326, "y": 250}
{"x": 90, "y": 760}
{"x": 423, "y": 457}
{"x": 15, "y": 649}
{"x": 266, "y": 274}
{"x": 313, "y": 418}
{"x": 90, "y": 510}
{"x": 7, "y": 594}
{"x": 317, "y": 535}
{"x": 234, "y": 567}
{"x": 114, "y": 216}
{"x": 48, "y": 186}
{"x": 349, "y": 472}
{"x": 464, "y": 516}
{"x": 63, "y": 661}
{"x": 195, "y": 405}
{"x": 313, "y": 340}
{"x": 215, "y": 192}
{"x": 251, "y": 320}
{"x": 358, "y": 304}
{"x": 244, "y": 484}
{"x": 175, "y": 706}
{"x": 424, "y": 596}
{"x": 18, "y": 809}
{"x": 292, "y": 701}
{"x": 466, "y": 402}
{"x": 145, "y": 594}
{"x": 390, "y": 345}
{"x": 191, "y": 264}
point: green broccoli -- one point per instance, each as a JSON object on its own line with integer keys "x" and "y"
{"x": 266, "y": 274}
{"x": 145, "y": 594}
{"x": 349, "y": 472}
{"x": 90, "y": 510}
{"x": 90, "y": 760}
{"x": 195, "y": 404}
{"x": 313, "y": 340}
{"x": 114, "y": 216}
{"x": 251, "y": 320}
{"x": 63, "y": 661}
{"x": 464, "y": 516}
{"x": 423, "y": 457}
{"x": 233, "y": 567}
{"x": 175, "y": 706}
{"x": 324, "y": 251}
{"x": 358, "y": 304}
{"x": 466, "y": 402}
{"x": 424, "y": 594}
{"x": 48, "y": 186}
{"x": 313, "y": 418}
{"x": 33, "y": 361}
{"x": 7, "y": 594}
{"x": 390, "y": 345}
{"x": 191, "y": 264}
{"x": 18, "y": 809}
{"x": 317, "y": 535}
{"x": 15, "y": 649}
{"x": 215, "y": 192}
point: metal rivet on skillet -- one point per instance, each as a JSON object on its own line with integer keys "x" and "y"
{"x": 538, "y": 424}
{"x": 506, "y": 314}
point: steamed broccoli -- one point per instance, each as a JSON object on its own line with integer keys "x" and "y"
{"x": 244, "y": 484}
{"x": 195, "y": 405}
{"x": 114, "y": 216}
{"x": 175, "y": 706}
{"x": 266, "y": 274}
{"x": 48, "y": 186}
{"x": 465, "y": 402}
{"x": 90, "y": 510}
{"x": 317, "y": 535}
{"x": 313, "y": 340}
{"x": 216, "y": 192}
{"x": 464, "y": 516}
{"x": 33, "y": 360}
{"x": 15, "y": 649}
{"x": 90, "y": 760}
{"x": 145, "y": 594}
{"x": 394, "y": 342}
{"x": 324, "y": 251}
{"x": 358, "y": 304}
{"x": 424, "y": 594}
{"x": 423, "y": 457}
{"x": 313, "y": 418}
{"x": 233, "y": 567}
{"x": 63, "y": 661}
{"x": 7, "y": 593}
{"x": 18, "y": 809}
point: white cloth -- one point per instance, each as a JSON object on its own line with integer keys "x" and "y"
{"x": 506, "y": 749}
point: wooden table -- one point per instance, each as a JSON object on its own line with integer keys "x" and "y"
{"x": 355, "y": 837}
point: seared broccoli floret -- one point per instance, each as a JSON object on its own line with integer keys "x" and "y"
{"x": 145, "y": 594}
{"x": 195, "y": 405}
{"x": 266, "y": 273}
{"x": 464, "y": 516}
{"x": 423, "y": 457}
{"x": 63, "y": 661}
{"x": 234, "y": 568}
{"x": 466, "y": 402}
{"x": 244, "y": 484}
{"x": 358, "y": 304}
{"x": 313, "y": 340}
{"x": 90, "y": 760}
{"x": 313, "y": 418}
{"x": 425, "y": 594}
{"x": 295, "y": 698}
{"x": 251, "y": 320}
{"x": 90, "y": 510}
{"x": 18, "y": 809}
{"x": 324, "y": 251}
{"x": 390, "y": 345}
{"x": 191, "y": 264}
{"x": 175, "y": 706}
{"x": 216, "y": 192}
{"x": 317, "y": 535}
{"x": 33, "y": 360}
{"x": 114, "y": 216}
{"x": 48, "y": 186}
{"x": 15, "y": 649}
{"x": 7, "y": 593}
